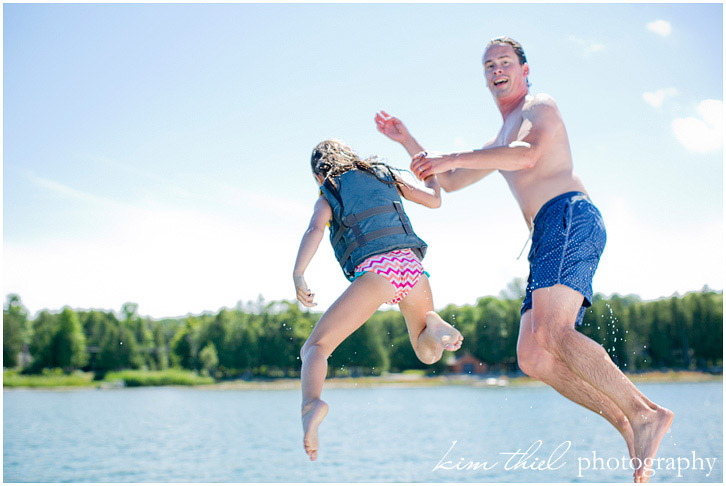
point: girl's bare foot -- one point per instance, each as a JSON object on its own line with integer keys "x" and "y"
{"x": 449, "y": 338}
{"x": 312, "y": 414}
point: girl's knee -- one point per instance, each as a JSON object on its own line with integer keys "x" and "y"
{"x": 307, "y": 347}
{"x": 311, "y": 346}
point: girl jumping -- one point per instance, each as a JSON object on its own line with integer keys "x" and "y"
{"x": 379, "y": 253}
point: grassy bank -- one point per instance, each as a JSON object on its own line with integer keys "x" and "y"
{"x": 48, "y": 379}
{"x": 135, "y": 378}
{"x": 56, "y": 378}
{"x": 158, "y": 378}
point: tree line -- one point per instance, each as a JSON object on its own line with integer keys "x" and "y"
{"x": 264, "y": 339}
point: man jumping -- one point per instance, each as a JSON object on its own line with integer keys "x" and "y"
{"x": 532, "y": 152}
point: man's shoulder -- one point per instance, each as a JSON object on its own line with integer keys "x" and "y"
{"x": 540, "y": 100}
{"x": 541, "y": 105}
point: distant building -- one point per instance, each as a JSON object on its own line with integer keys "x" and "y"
{"x": 468, "y": 364}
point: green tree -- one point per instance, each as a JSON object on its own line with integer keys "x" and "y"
{"x": 363, "y": 348}
{"x": 160, "y": 353}
{"x": 45, "y": 327}
{"x": 243, "y": 342}
{"x": 16, "y": 330}
{"x": 493, "y": 336}
{"x": 219, "y": 333}
{"x": 142, "y": 345}
{"x": 208, "y": 358}
{"x": 284, "y": 330}
{"x": 184, "y": 346}
{"x": 69, "y": 343}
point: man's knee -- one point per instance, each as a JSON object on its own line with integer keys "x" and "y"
{"x": 547, "y": 334}
{"x": 532, "y": 360}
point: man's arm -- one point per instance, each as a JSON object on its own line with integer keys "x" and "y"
{"x": 540, "y": 122}
{"x": 452, "y": 180}
{"x": 456, "y": 179}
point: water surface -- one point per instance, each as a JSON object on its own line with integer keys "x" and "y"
{"x": 175, "y": 434}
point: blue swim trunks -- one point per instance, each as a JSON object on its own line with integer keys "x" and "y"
{"x": 568, "y": 240}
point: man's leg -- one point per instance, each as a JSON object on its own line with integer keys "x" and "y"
{"x": 554, "y": 311}
{"x": 540, "y": 364}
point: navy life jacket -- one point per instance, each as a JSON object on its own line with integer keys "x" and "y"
{"x": 368, "y": 219}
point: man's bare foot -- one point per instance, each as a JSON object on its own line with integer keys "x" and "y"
{"x": 449, "y": 338}
{"x": 312, "y": 414}
{"x": 626, "y": 431}
{"x": 648, "y": 433}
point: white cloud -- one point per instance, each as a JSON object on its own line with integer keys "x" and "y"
{"x": 660, "y": 27}
{"x": 703, "y": 134}
{"x": 588, "y": 47}
{"x": 657, "y": 97}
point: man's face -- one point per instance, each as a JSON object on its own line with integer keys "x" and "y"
{"x": 504, "y": 75}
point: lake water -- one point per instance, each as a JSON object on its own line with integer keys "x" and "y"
{"x": 175, "y": 434}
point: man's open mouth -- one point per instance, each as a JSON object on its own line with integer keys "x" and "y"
{"x": 499, "y": 82}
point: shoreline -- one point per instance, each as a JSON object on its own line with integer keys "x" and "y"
{"x": 398, "y": 380}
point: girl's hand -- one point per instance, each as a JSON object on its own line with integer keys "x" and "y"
{"x": 304, "y": 294}
{"x": 392, "y": 127}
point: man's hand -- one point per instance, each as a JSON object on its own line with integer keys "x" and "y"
{"x": 392, "y": 127}
{"x": 304, "y": 295}
{"x": 425, "y": 165}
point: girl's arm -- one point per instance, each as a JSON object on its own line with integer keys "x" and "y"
{"x": 393, "y": 128}
{"x": 430, "y": 198}
{"x": 308, "y": 246}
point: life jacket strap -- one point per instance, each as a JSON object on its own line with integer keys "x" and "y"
{"x": 373, "y": 235}
{"x": 351, "y": 221}
{"x": 402, "y": 216}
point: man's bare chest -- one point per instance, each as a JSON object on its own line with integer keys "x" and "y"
{"x": 510, "y": 130}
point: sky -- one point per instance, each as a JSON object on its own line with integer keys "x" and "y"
{"x": 159, "y": 153}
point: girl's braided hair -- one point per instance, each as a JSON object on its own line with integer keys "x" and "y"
{"x": 332, "y": 158}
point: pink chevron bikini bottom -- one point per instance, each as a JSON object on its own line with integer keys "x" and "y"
{"x": 400, "y": 267}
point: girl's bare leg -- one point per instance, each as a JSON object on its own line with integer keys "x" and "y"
{"x": 348, "y": 313}
{"x": 428, "y": 332}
